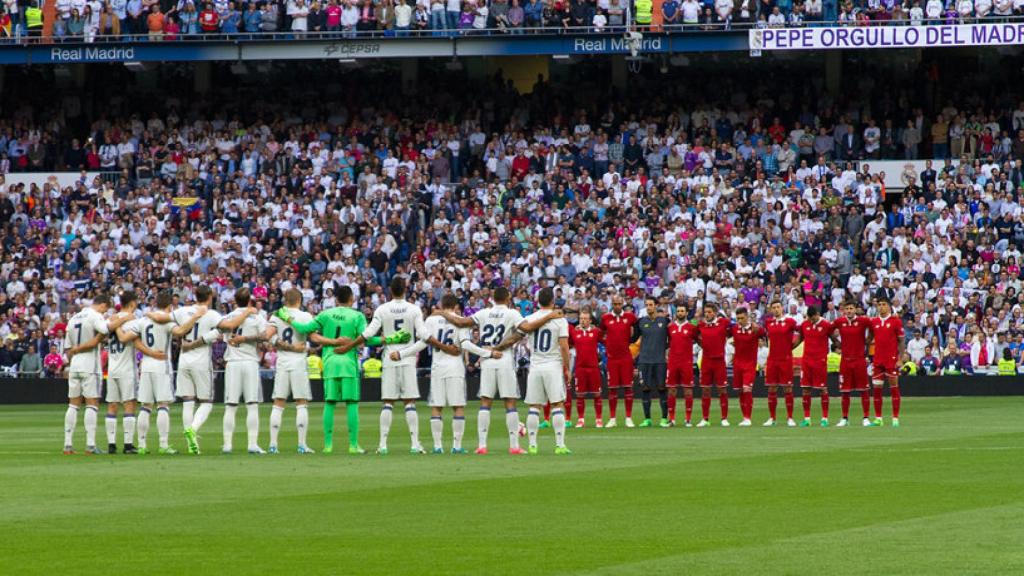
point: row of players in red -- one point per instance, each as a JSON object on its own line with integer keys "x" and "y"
{"x": 852, "y": 331}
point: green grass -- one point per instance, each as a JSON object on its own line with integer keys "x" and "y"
{"x": 944, "y": 494}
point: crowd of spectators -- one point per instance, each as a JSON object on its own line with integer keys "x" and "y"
{"x": 170, "y": 20}
{"x": 739, "y": 196}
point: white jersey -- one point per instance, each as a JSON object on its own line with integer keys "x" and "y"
{"x": 288, "y": 361}
{"x": 205, "y": 329}
{"x": 121, "y": 355}
{"x": 82, "y": 327}
{"x": 394, "y": 316}
{"x": 545, "y": 351}
{"x": 253, "y": 325}
{"x": 445, "y": 365}
{"x": 495, "y": 323}
{"x": 158, "y": 338}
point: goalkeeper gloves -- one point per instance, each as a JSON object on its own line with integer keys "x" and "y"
{"x": 400, "y": 337}
{"x": 284, "y": 315}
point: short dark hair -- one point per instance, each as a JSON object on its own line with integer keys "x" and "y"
{"x": 501, "y": 294}
{"x": 128, "y": 296}
{"x": 884, "y": 299}
{"x": 741, "y": 310}
{"x": 545, "y": 297}
{"x": 242, "y": 296}
{"x": 449, "y": 301}
{"x": 103, "y": 298}
{"x": 203, "y": 293}
{"x": 345, "y": 294}
{"x": 164, "y": 298}
{"x": 397, "y": 287}
{"x": 812, "y": 311}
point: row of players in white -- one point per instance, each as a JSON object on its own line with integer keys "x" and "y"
{"x": 199, "y": 327}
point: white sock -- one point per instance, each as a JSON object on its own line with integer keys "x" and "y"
{"x": 90, "y": 425}
{"x": 202, "y": 413}
{"x": 276, "y": 414}
{"x": 187, "y": 410}
{"x": 458, "y": 430}
{"x": 70, "y": 423}
{"x": 163, "y": 424}
{"x": 229, "y": 426}
{"x": 558, "y": 423}
{"x": 110, "y": 425}
{"x": 302, "y": 422}
{"x": 532, "y": 426}
{"x": 412, "y": 418}
{"x": 483, "y": 424}
{"x": 385, "y": 425}
{"x": 143, "y": 426}
{"x": 512, "y": 423}
{"x": 252, "y": 424}
{"x": 436, "y": 430}
{"x": 129, "y": 429}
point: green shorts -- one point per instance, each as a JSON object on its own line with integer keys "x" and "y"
{"x": 341, "y": 389}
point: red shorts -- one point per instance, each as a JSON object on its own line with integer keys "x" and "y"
{"x": 743, "y": 376}
{"x": 712, "y": 373}
{"x": 620, "y": 372}
{"x": 853, "y": 375}
{"x": 813, "y": 374}
{"x": 588, "y": 380}
{"x": 885, "y": 369}
{"x": 778, "y": 372}
{"x": 680, "y": 374}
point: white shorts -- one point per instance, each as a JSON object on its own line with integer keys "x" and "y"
{"x": 447, "y": 392}
{"x": 399, "y": 382}
{"x": 194, "y": 383}
{"x": 294, "y": 383}
{"x": 84, "y": 384}
{"x": 121, "y": 389}
{"x": 155, "y": 387}
{"x": 498, "y": 382}
{"x": 242, "y": 380}
{"x": 545, "y": 385}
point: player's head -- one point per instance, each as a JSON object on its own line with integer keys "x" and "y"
{"x": 449, "y": 302}
{"x": 292, "y": 298}
{"x": 710, "y": 312}
{"x": 681, "y": 313}
{"x": 129, "y": 299}
{"x": 204, "y": 295}
{"x": 397, "y": 287}
{"x": 545, "y": 297}
{"x": 101, "y": 303}
{"x": 850, "y": 309}
{"x": 345, "y": 295}
{"x": 813, "y": 313}
{"x": 617, "y": 303}
{"x": 884, "y": 306}
{"x": 776, "y": 308}
{"x": 242, "y": 297}
{"x": 651, "y": 305}
{"x": 164, "y": 299}
{"x": 741, "y": 316}
{"x": 501, "y": 295}
{"x": 586, "y": 318}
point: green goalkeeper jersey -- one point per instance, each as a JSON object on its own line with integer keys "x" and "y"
{"x": 337, "y": 323}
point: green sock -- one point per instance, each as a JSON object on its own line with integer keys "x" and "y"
{"x": 353, "y": 423}
{"x": 328, "y": 423}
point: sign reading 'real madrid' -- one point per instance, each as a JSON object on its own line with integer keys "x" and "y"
{"x": 869, "y": 37}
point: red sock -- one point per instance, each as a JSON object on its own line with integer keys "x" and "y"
{"x": 789, "y": 404}
{"x": 705, "y": 404}
{"x": 581, "y": 406}
{"x": 723, "y": 403}
{"x": 824, "y": 403}
{"x": 597, "y": 407}
{"x": 688, "y": 401}
{"x": 865, "y": 402}
{"x": 894, "y": 395}
{"x": 568, "y": 408}
{"x": 878, "y": 401}
{"x": 750, "y": 404}
{"x": 547, "y": 412}
{"x": 746, "y": 403}
{"x": 807, "y": 405}
{"x": 628, "y": 398}
{"x": 846, "y": 405}
{"x": 672, "y": 408}
{"x": 613, "y": 402}
{"x": 773, "y": 403}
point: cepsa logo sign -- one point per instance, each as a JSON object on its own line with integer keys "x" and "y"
{"x": 352, "y": 49}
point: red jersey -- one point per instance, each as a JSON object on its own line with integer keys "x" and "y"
{"x": 780, "y": 338}
{"x": 681, "y": 338}
{"x": 853, "y": 336}
{"x": 712, "y": 338}
{"x": 888, "y": 335}
{"x": 745, "y": 342}
{"x": 585, "y": 342}
{"x": 618, "y": 334}
{"x": 816, "y": 337}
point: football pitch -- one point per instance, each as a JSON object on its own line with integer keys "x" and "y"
{"x": 944, "y": 494}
